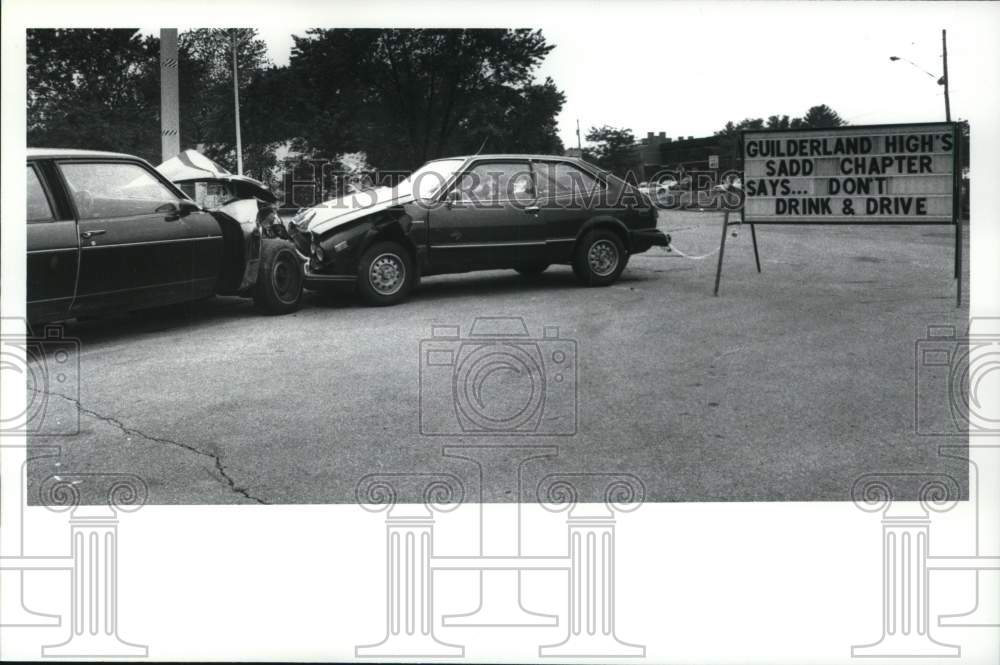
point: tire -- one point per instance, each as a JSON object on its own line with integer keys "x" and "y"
{"x": 279, "y": 279}
{"x": 533, "y": 269}
{"x": 599, "y": 258}
{"x": 385, "y": 274}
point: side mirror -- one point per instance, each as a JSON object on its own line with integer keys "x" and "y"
{"x": 453, "y": 197}
{"x": 175, "y": 211}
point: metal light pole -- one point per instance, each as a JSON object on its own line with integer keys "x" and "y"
{"x": 944, "y": 57}
{"x": 236, "y": 104}
{"x": 943, "y": 80}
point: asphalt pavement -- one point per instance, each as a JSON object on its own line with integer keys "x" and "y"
{"x": 790, "y": 385}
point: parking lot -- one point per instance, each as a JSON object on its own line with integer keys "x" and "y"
{"x": 788, "y": 386}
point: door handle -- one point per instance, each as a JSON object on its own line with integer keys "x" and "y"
{"x": 455, "y": 235}
{"x": 86, "y": 235}
{"x": 531, "y": 210}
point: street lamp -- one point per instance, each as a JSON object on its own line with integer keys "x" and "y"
{"x": 943, "y": 80}
{"x": 895, "y": 58}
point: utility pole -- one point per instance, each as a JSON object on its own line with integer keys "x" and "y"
{"x": 236, "y": 103}
{"x": 944, "y": 56}
{"x": 579, "y": 146}
{"x": 170, "y": 125}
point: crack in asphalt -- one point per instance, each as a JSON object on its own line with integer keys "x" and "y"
{"x": 131, "y": 431}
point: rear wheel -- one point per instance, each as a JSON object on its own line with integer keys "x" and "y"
{"x": 385, "y": 274}
{"x": 600, "y": 258}
{"x": 279, "y": 281}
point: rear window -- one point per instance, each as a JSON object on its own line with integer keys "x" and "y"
{"x": 39, "y": 209}
{"x": 562, "y": 179}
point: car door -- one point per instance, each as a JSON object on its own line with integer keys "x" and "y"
{"x": 485, "y": 219}
{"x": 53, "y": 250}
{"x": 137, "y": 248}
{"x": 568, "y": 197}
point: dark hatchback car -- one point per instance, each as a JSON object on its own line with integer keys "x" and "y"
{"x": 107, "y": 232}
{"x": 481, "y": 212}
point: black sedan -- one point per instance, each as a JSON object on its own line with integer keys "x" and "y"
{"x": 107, "y": 232}
{"x": 480, "y": 212}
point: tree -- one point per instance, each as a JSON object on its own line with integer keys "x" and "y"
{"x": 96, "y": 89}
{"x": 735, "y": 128}
{"x": 817, "y": 117}
{"x": 206, "y": 102}
{"x": 778, "y": 122}
{"x": 820, "y": 117}
{"x": 100, "y": 89}
{"x": 407, "y": 96}
{"x": 401, "y": 96}
{"x": 614, "y": 150}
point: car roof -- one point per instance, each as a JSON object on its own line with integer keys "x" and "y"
{"x": 49, "y": 153}
{"x": 511, "y": 156}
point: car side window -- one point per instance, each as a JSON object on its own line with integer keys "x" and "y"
{"x": 561, "y": 179}
{"x": 490, "y": 183}
{"x": 114, "y": 189}
{"x": 39, "y": 209}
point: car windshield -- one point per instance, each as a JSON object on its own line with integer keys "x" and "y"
{"x": 209, "y": 194}
{"x": 426, "y": 181}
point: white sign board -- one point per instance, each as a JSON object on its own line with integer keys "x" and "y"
{"x": 713, "y": 161}
{"x": 876, "y": 174}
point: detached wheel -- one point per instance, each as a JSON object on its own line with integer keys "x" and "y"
{"x": 600, "y": 258}
{"x": 280, "y": 278}
{"x": 532, "y": 269}
{"x": 385, "y": 274}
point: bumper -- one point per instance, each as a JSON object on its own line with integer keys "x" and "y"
{"x": 641, "y": 240}
{"x": 315, "y": 280}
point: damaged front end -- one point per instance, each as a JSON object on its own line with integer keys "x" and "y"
{"x": 331, "y": 237}
{"x": 246, "y": 224}
{"x": 246, "y": 209}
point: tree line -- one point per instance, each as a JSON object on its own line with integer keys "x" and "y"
{"x": 400, "y": 96}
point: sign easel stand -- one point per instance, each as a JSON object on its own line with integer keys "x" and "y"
{"x": 958, "y": 231}
{"x": 722, "y": 246}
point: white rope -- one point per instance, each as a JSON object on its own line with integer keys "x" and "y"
{"x": 674, "y": 248}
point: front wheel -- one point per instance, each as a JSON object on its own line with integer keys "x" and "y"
{"x": 385, "y": 274}
{"x": 600, "y": 258}
{"x": 279, "y": 281}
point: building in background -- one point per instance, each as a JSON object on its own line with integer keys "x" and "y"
{"x": 658, "y": 152}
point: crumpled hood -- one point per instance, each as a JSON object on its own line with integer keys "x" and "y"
{"x": 338, "y": 212}
{"x": 192, "y": 166}
{"x": 243, "y": 211}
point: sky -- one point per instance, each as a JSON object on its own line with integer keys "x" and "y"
{"x": 686, "y": 69}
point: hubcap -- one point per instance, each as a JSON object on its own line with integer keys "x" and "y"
{"x": 603, "y": 257}
{"x": 387, "y": 274}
